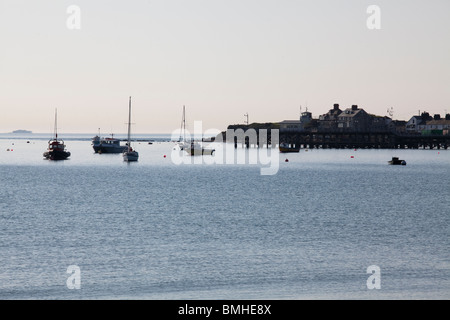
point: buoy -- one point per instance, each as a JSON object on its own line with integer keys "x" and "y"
{"x": 164, "y": 156}
{"x": 352, "y": 157}
{"x": 286, "y": 160}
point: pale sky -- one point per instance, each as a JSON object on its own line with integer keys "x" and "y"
{"x": 221, "y": 59}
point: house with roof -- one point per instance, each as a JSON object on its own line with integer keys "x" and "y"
{"x": 332, "y": 114}
{"x": 354, "y": 119}
{"x": 381, "y": 124}
{"x": 436, "y": 126}
{"x": 413, "y": 124}
{"x": 328, "y": 121}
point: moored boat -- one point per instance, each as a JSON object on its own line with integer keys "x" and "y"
{"x": 130, "y": 154}
{"x": 197, "y": 149}
{"x": 286, "y": 148}
{"x": 107, "y": 145}
{"x": 397, "y": 161}
{"x": 182, "y": 144}
{"x": 56, "y": 148}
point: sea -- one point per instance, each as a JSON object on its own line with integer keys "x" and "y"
{"x": 326, "y": 224}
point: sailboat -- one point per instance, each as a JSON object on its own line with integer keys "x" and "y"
{"x": 56, "y": 148}
{"x": 182, "y": 141}
{"x": 196, "y": 149}
{"x": 192, "y": 147}
{"x": 130, "y": 154}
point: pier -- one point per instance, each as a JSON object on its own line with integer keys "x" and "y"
{"x": 344, "y": 140}
{"x": 351, "y": 128}
{"x": 365, "y": 140}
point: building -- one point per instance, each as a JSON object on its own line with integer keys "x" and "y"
{"x": 412, "y": 126}
{"x": 436, "y": 126}
{"x": 381, "y": 124}
{"x": 296, "y": 125}
{"x": 290, "y": 126}
{"x": 331, "y": 115}
{"x": 399, "y": 126}
{"x": 329, "y": 120}
{"x": 354, "y": 119}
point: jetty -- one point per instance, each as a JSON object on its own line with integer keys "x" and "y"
{"x": 351, "y": 128}
{"x": 365, "y": 140}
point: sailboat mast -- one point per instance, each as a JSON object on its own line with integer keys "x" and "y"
{"x": 129, "y": 124}
{"x": 55, "y": 133}
{"x": 184, "y": 123}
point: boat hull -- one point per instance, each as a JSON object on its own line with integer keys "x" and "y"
{"x": 199, "y": 152}
{"x": 108, "y": 149}
{"x": 289, "y": 150}
{"x": 130, "y": 156}
{"x": 397, "y": 161}
{"x": 56, "y": 155}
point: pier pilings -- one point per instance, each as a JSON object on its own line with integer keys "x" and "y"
{"x": 364, "y": 140}
{"x": 348, "y": 140}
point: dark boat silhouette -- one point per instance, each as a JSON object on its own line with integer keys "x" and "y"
{"x": 107, "y": 145}
{"x": 56, "y": 148}
{"x": 397, "y": 161}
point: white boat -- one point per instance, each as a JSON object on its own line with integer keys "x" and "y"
{"x": 192, "y": 147}
{"x": 130, "y": 154}
{"x": 182, "y": 144}
{"x": 197, "y": 149}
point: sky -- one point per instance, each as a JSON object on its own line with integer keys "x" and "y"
{"x": 219, "y": 58}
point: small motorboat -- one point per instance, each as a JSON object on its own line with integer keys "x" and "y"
{"x": 397, "y": 161}
{"x": 286, "y": 148}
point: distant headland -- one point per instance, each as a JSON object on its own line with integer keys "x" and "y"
{"x": 22, "y": 131}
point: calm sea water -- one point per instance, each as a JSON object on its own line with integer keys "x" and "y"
{"x": 157, "y": 230}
